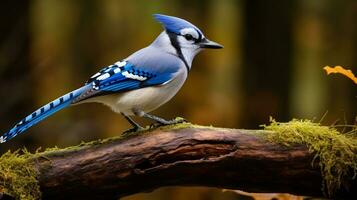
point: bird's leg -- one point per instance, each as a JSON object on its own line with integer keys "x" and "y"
{"x": 136, "y": 126}
{"x": 162, "y": 121}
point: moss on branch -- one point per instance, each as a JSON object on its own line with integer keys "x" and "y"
{"x": 18, "y": 176}
{"x": 336, "y": 153}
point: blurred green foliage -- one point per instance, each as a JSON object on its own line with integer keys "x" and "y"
{"x": 271, "y": 64}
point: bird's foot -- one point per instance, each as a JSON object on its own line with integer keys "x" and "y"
{"x": 132, "y": 131}
{"x": 163, "y": 122}
{"x": 177, "y": 120}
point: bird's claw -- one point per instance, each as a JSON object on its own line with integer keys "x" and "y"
{"x": 154, "y": 125}
{"x": 177, "y": 120}
{"x": 132, "y": 130}
{"x": 180, "y": 120}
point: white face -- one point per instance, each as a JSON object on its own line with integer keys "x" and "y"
{"x": 188, "y": 41}
{"x": 188, "y": 38}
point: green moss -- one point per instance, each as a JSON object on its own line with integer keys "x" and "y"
{"x": 148, "y": 129}
{"x": 18, "y": 177}
{"x": 182, "y": 126}
{"x": 336, "y": 152}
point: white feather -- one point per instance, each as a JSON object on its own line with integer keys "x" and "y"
{"x": 104, "y": 76}
{"x": 133, "y": 76}
{"x": 117, "y": 70}
{"x": 120, "y": 63}
{"x": 3, "y": 139}
{"x": 95, "y": 75}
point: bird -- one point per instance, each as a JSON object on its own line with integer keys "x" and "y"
{"x": 138, "y": 84}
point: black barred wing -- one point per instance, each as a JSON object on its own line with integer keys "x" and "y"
{"x": 121, "y": 77}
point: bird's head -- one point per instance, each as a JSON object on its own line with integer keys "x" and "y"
{"x": 182, "y": 38}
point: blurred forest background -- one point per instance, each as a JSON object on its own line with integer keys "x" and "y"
{"x": 271, "y": 65}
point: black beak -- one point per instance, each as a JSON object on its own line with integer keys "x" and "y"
{"x": 208, "y": 44}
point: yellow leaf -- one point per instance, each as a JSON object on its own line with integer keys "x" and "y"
{"x": 341, "y": 70}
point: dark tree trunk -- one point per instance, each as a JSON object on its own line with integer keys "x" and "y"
{"x": 267, "y": 59}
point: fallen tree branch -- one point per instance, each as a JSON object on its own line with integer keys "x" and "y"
{"x": 189, "y": 156}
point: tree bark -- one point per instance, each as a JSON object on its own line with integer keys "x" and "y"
{"x": 193, "y": 156}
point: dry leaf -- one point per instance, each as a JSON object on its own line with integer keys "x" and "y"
{"x": 341, "y": 70}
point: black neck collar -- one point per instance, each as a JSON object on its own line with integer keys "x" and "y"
{"x": 176, "y": 45}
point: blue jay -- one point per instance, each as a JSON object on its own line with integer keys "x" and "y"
{"x": 138, "y": 84}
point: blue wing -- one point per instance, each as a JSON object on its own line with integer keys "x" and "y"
{"x": 123, "y": 76}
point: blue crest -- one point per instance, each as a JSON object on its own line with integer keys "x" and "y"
{"x": 174, "y": 24}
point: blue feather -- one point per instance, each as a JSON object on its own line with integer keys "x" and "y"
{"x": 42, "y": 113}
{"x": 117, "y": 82}
{"x": 174, "y": 24}
{"x": 123, "y": 86}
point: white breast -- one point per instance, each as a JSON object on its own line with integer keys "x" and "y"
{"x": 144, "y": 99}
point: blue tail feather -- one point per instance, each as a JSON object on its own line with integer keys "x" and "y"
{"x": 42, "y": 113}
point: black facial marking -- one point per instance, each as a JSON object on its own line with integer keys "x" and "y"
{"x": 190, "y": 37}
{"x": 176, "y": 45}
{"x": 199, "y": 37}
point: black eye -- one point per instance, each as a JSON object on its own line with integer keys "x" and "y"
{"x": 188, "y": 37}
